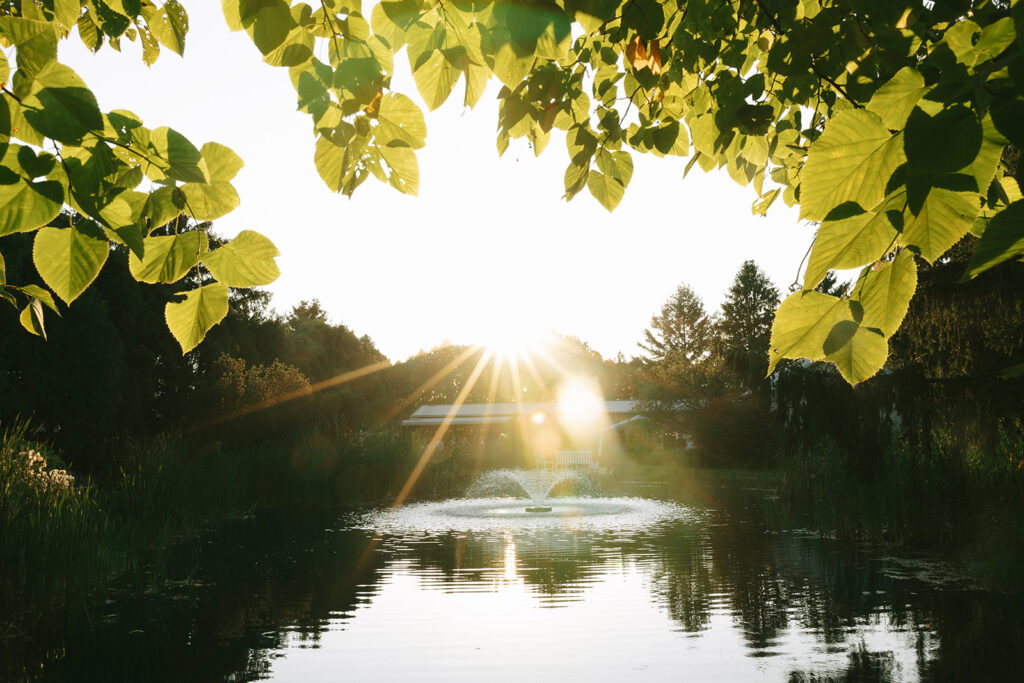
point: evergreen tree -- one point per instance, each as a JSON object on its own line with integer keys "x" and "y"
{"x": 682, "y": 333}
{"x": 746, "y": 323}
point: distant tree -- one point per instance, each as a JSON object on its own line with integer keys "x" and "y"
{"x": 746, "y": 323}
{"x": 681, "y": 333}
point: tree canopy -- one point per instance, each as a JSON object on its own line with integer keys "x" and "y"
{"x": 886, "y": 121}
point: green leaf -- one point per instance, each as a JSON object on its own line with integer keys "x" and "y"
{"x": 61, "y": 106}
{"x": 18, "y": 31}
{"x": 331, "y": 163}
{"x": 885, "y": 292}
{"x": 762, "y": 203}
{"x": 605, "y": 190}
{"x": 167, "y": 258}
{"x": 191, "y": 319}
{"x": 1003, "y": 239}
{"x": 26, "y": 205}
{"x": 67, "y": 12}
{"x": 858, "y": 351}
{"x": 401, "y": 122}
{"x": 89, "y": 32}
{"x": 37, "y": 292}
{"x": 246, "y": 261}
{"x": 894, "y": 101}
{"x": 435, "y": 78}
{"x": 956, "y": 127}
{"x": 68, "y": 259}
{"x": 820, "y": 327}
{"x": 944, "y": 218}
{"x": 31, "y": 318}
{"x": 209, "y": 201}
{"x": 803, "y": 323}
{"x": 851, "y": 162}
{"x": 852, "y": 242}
{"x": 405, "y": 170}
{"x": 163, "y": 205}
{"x": 170, "y": 25}
{"x": 268, "y": 23}
{"x": 176, "y": 157}
{"x": 1008, "y": 115}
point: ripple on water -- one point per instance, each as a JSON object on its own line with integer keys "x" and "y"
{"x": 487, "y": 514}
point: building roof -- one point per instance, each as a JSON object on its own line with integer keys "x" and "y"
{"x": 499, "y": 413}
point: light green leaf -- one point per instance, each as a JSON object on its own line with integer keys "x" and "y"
{"x": 176, "y": 157}
{"x": 167, "y": 258}
{"x": 1003, "y": 239}
{"x": 852, "y": 242}
{"x": 68, "y": 260}
{"x": 405, "y": 170}
{"x": 67, "y": 12}
{"x": 606, "y": 190}
{"x": 37, "y": 292}
{"x": 61, "y": 106}
{"x": 209, "y": 201}
{"x": 851, "y": 162}
{"x": 820, "y": 327}
{"x": 894, "y": 101}
{"x": 803, "y": 323}
{"x": 331, "y": 163}
{"x": 18, "y": 31}
{"x": 26, "y": 205}
{"x": 858, "y": 351}
{"x": 762, "y": 203}
{"x": 401, "y": 122}
{"x": 246, "y": 261}
{"x": 31, "y": 318}
{"x": 191, "y": 319}
{"x": 163, "y": 205}
{"x": 944, "y": 218}
{"x": 435, "y": 79}
{"x": 170, "y": 25}
{"x": 885, "y": 292}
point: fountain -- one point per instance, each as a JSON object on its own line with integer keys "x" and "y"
{"x": 537, "y": 484}
{"x": 494, "y": 503}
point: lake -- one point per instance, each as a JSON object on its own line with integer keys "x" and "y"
{"x": 600, "y": 589}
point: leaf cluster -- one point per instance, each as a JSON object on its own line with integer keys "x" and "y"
{"x": 884, "y": 121}
{"x": 121, "y": 179}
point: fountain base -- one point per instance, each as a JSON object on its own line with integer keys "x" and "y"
{"x": 538, "y": 508}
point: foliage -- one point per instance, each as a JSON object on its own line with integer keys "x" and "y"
{"x": 58, "y": 149}
{"x": 746, "y": 322}
{"x": 732, "y": 431}
{"x": 835, "y": 106}
{"x": 681, "y": 332}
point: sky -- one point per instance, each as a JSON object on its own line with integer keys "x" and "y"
{"x": 488, "y": 250}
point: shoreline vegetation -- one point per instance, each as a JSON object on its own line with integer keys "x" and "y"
{"x": 69, "y": 538}
{"x": 294, "y": 411}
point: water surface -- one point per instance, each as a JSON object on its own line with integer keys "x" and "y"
{"x": 612, "y": 589}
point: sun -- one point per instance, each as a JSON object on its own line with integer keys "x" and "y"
{"x": 510, "y": 337}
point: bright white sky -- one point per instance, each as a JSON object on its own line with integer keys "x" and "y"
{"x": 488, "y": 246}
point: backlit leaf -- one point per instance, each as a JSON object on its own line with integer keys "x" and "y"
{"x": 851, "y": 162}
{"x": 209, "y": 201}
{"x": 189, "y": 320}
{"x": 246, "y": 261}
{"x": 68, "y": 259}
{"x": 61, "y": 106}
{"x": 167, "y": 258}
{"x": 1003, "y": 240}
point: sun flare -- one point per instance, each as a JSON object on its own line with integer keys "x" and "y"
{"x": 511, "y": 338}
{"x": 579, "y": 402}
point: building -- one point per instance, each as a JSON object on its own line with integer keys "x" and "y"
{"x": 535, "y": 434}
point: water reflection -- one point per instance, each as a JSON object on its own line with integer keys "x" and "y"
{"x": 691, "y": 592}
